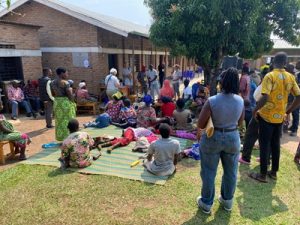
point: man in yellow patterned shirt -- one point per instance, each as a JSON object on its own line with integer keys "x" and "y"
{"x": 271, "y": 111}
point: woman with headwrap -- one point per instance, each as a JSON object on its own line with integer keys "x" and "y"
{"x": 166, "y": 91}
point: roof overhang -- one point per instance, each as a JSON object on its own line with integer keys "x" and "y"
{"x": 69, "y": 12}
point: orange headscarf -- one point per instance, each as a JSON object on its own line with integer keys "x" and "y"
{"x": 167, "y": 90}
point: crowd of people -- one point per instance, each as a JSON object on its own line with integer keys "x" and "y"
{"x": 262, "y": 102}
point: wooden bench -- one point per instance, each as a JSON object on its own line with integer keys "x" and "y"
{"x": 89, "y": 107}
{"x": 12, "y": 150}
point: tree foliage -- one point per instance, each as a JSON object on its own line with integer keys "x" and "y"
{"x": 207, "y": 30}
{"x": 5, "y": 3}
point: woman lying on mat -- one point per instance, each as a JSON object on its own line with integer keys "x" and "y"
{"x": 129, "y": 135}
{"x": 75, "y": 149}
{"x": 8, "y": 133}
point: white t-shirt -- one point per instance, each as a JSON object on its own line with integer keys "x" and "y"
{"x": 151, "y": 74}
{"x": 126, "y": 76}
{"x": 187, "y": 92}
{"x": 163, "y": 151}
{"x": 176, "y": 76}
{"x": 111, "y": 83}
{"x": 257, "y": 93}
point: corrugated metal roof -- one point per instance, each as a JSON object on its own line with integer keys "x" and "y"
{"x": 112, "y": 24}
{"x": 282, "y": 44}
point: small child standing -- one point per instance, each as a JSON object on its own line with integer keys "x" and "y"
{"x": 163, "y": 154}
{"x": 183, "y": 117}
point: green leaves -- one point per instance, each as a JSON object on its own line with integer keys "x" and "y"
{"x": 6, "y": 2}
{"x": 209, "y": 29}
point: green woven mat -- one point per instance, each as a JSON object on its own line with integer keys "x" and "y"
{"x": 115, "y": 164}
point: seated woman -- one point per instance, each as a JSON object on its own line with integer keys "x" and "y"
{"x": 167, "y": 107}
{"x": 82, "y": 94}
{"x": 146, "y": 116}
{"x": 75, "y": 149}
{"x": 182, "y": 116}
{"x": 127, "y": 116}
{"x": 114, "y": 106}
{"x": 8, "y": 133}
{"x": 166, "y": 91}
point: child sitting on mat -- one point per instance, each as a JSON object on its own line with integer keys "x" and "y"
{"x": 182, "y": 116}
{"x": 163, "y": 154}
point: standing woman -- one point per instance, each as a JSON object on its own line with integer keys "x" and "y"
{"x": 112, "y": 83}
{"x": 64, "y": 105}
{"x": 177, "y": 74}
{"x": 224, "y": 144}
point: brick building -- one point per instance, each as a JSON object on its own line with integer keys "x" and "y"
{"x": 86, "y": 43}
{"x": 20, "y": 54}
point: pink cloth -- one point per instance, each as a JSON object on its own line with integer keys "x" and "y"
{"x": 152, "y": 138}
{"x": 144, "y": 115}
{"x": 245, "y": 86}
{"x": 127, "y": 113}
{"x": 83, "y": 93}
{"x": 15, "y": 94}
{"x": 167, "y": 90}
{"x": 186, "y": 135}
{"x": 113, "y": 110}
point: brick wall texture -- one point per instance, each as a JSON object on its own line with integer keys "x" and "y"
{"x": 23, "y": 37}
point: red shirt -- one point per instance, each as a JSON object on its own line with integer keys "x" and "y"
{"x": 167, "y": 109}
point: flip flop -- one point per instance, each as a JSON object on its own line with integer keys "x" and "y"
{"x": 258, "y": 177}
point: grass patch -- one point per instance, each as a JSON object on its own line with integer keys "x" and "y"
{"x": 45, "y": 195}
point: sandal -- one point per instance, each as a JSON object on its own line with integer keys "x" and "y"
{"x": 258, "y": 177}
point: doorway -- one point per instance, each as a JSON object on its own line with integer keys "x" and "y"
{"x": 112, "y": 61}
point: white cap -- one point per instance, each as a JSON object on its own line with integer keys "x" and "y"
{"x": 81, "y": 85}
{"x": 113, "y": 71}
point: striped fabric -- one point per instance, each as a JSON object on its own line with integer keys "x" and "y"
{"x": 115, "y": 164}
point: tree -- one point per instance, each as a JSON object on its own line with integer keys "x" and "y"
{"x": 5, "y": 3}
{"x": 208, "y": 30}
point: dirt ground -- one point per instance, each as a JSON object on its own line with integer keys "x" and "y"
{"x": 36, "y": 129}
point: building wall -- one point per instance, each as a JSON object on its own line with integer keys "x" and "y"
{"x": 23, "y": 37}
{"x": 32, "y": 68}
{"x": 58, "y": 29}
{"x": 93, "y": 75}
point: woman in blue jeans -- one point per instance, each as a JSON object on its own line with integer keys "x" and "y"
{"x": 227, "y": 112}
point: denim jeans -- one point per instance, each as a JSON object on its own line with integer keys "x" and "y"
{"x": 154, "y": 89}
{"x": 295, "y": 122}
{"x": 248, "y": 116}
{"x": 224, "y": 146}
{"x": 35, "y": 103}
{"x": 14, "y": 107}
{"x": 269, "y": 142}
{"x": 251, "y": 137}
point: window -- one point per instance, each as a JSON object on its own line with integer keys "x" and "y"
{"x": 136, "y": 63}
{"x": 81, "y": 59}
{"x": 7, "y": 46}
